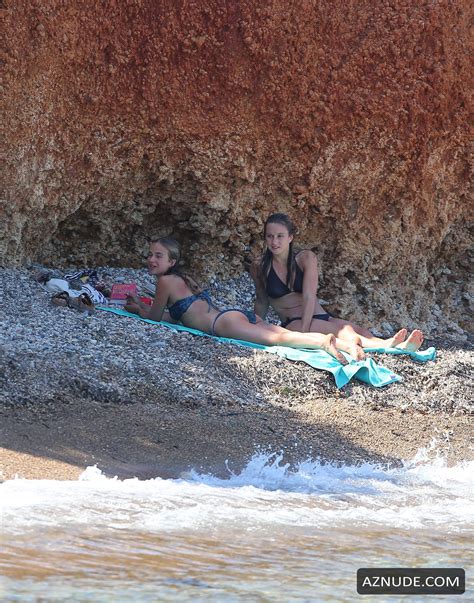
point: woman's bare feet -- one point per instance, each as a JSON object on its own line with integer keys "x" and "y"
{"x": 330, "y": 347}
{"x": 413, "y": 342}
{"x": 356, "y": 351}
{"x": 397, "y": 339}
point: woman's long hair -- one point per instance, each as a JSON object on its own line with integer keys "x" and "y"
{"x": 266, "y": 261}
{"x": 174, "y": 253}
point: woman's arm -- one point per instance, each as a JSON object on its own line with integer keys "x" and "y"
{"x": 262, "y": 303}
{"x": 157, "y": 310}
{"x": 134, "y": 304}
{"x": 309, "y": 264}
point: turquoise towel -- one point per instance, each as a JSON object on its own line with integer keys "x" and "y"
{"x": 366, "y": 370}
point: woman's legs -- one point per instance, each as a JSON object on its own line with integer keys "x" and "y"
{"x": 350, "y": 331}
{"x": 236, "y": 325}
{"x": 351, "y": 347}
{"x": 355, "y": 334}
{"x": 367, "y": 340}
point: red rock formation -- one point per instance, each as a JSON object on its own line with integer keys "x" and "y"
{"x": 199, "y": 118}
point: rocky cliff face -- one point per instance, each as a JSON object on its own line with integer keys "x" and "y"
{"x": 131, "y": 117}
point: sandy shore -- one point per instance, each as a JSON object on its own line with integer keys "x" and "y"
{"x": 141, "y": 400}
{"x": 149, "y": 440}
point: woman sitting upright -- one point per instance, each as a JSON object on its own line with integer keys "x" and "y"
{"x": 193, "y": 308}
{"x": 288, "y": 282}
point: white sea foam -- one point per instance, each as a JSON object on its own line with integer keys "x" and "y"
{"x": 423, "y": 493}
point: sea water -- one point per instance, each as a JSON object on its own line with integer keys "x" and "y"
{"x": 270, "y": 532}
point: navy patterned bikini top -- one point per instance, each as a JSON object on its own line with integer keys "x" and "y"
{"x": 182, "y": 305}
{"x": 277, "y": 288}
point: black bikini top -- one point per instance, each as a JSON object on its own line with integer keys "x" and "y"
{"x": 277, "y": 288}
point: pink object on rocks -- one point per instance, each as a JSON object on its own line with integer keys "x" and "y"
{"x": 120, "y": 292}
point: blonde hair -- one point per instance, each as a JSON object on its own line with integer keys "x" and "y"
{"x": 174, "y": 253}
{"x": 171, "y": 245}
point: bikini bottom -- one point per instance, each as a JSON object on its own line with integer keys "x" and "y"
{"x": 326, "y": 316}
{"x": 248, "y": 313}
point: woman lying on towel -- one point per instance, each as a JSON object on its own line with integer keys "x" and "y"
{"x": 193, "y": 307}
{"x": 288, "y": 282}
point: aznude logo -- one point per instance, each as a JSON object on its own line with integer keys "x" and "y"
{"x": 411, "y": 581}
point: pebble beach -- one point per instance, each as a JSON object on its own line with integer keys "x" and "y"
{"x": 140, "y": 399}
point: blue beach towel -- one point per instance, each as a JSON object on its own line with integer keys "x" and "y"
{"x": 366, "y": 370}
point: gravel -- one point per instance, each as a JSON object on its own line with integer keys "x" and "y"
{"x": 51, "y": 354}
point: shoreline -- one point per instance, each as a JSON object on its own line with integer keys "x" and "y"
{"x": 140, "y": 440}
{"x": 141, "y": 400}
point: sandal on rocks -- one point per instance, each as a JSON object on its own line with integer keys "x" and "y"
{"x": 61, "y": 299}
{"x": 81, "y": 302}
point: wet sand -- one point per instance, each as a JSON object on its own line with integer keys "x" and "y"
{"x": 149, "y": 440}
